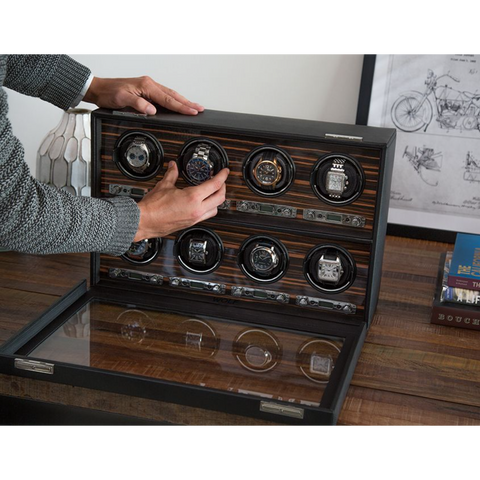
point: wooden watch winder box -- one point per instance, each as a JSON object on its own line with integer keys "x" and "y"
{"x": 259, "y": 312}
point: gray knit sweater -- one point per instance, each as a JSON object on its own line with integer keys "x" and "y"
{"x": 36, "y": 218}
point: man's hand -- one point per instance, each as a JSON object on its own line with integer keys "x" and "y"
{"x": 166, "y": 209}
{"x": 138, "y": 93}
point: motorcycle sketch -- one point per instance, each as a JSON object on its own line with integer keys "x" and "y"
{"x": 454, "y": 109}
{"x": 472, "y": 169}
{"x": 426, "y": 163}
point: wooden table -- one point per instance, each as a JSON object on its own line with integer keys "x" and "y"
{"x": 410, "y": 372}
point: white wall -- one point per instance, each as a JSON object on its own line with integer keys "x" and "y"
{"x": 315, "y": 87}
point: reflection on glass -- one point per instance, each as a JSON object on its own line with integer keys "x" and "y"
{"x": 200, "y": 351}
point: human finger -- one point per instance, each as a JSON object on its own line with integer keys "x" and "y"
{"x": 180, "y": 98}
{"x": 213, "y": 184}
{"x": 163, "y": 98}
{"x": 171, "y": 175}
{"x": 215, "y": 199}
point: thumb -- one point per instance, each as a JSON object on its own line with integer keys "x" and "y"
{"x": 171, "y": 175}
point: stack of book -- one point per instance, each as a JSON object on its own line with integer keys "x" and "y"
{"x": 457, "y": 296}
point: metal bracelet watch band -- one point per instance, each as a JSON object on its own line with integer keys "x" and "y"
{"x": 202, "y": 151}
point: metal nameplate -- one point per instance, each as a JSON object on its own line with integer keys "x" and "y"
{"x": 337, "y": 136}
{"x": 279, "y": 409}
{"x": 323, "y": 216}
{"x": 258, "y": 294}
{"x": 133, "y": 275}
{"x": 324, "y": 304}
{"x": 34, "y": 366}
{"x": 125, "y": 190}
{"x": 271, "y": 209}
{"x": 218, "y": 288}
{"x": 130, "y": 114}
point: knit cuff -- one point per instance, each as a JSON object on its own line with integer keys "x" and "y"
{"x": 67, "y": 82}
{"x": 127, "y": 218}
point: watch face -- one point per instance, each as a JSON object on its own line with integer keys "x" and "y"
{"x": 137, "y": 157}
{"x": 263, "y": 259}
{"x": 199, "y": 169}
{"x": 329, "y": 270}
{"x": 138, "y": 249}
{"x": 267, "y": 172}
{"x": 197, "y": 252}
{"x": 335, "y": 182}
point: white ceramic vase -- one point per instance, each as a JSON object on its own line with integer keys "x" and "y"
{"x": 63, "y": 159}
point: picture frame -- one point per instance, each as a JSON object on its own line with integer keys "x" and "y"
{"x": 434, "y": 103}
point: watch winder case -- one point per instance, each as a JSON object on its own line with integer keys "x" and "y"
{"x": 237, "y": 314}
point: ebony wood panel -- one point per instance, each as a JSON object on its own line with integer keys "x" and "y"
{"x": 301, "y": 196}
{"x": 229, "y": 273}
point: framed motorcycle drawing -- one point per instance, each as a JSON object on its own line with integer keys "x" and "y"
{"x": 434, "y": 103}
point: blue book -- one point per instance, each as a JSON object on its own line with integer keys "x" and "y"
{"x": 465, "y": 266}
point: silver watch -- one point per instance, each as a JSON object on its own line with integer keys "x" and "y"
{"x": 200, "y": 168}
{"x": 197, "y": 252}
{"x": 336, "y": 181}
{"x": 138, "y": 155}
{"x": 330, "y": 269}
{"x": 263, "y": 259}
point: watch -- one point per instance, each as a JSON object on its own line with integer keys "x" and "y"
{"x": 138, "y": 155}
{"x": 200, "y": 168}
{"x": 336, "y": 180}
{"x": 138, "y": 249}
{"x": 330, "y": 269}
{"x": 263, "y": 259}
{"x": 268, "y": 172}
{"x": 197, "y": 252}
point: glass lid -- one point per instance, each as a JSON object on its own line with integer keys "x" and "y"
{"x": 196, "y": 350}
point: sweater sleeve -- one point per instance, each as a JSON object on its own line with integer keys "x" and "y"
{"x": 37, "y": 218}
{"x": 57, "y": 79}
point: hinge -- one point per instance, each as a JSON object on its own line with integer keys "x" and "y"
{"x": 279, "y": 409}
{"x": 34, "y": 366}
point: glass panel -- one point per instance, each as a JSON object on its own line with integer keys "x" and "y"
{"x": 196, "y": 350}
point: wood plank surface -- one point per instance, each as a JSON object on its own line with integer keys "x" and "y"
{"x": 410, "y": 372}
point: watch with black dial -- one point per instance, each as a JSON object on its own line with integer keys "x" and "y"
{"x": 197, "y": 252}
{"x": 200, "y": 168}
{"x": 336, "y": 180}
{"x": 330, "y": 269}
{"x": 138, "y": 155}
{"x": 268, "y": 172}
{"x": 263, "y": 259}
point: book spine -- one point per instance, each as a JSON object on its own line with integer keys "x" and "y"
{"x": 442, "y": 315}
{"x": 466, "y": 283}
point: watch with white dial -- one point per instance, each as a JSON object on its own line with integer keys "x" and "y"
{"x": 197, "y": 252}
{"x": 263, "y": 259}
{"x": 138, "y": 155}
{"x": 268, "y": 172}
{"x": 330, "y": 269}
{"x": 200, "y": 168}
{"x": 336, "y": 180}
